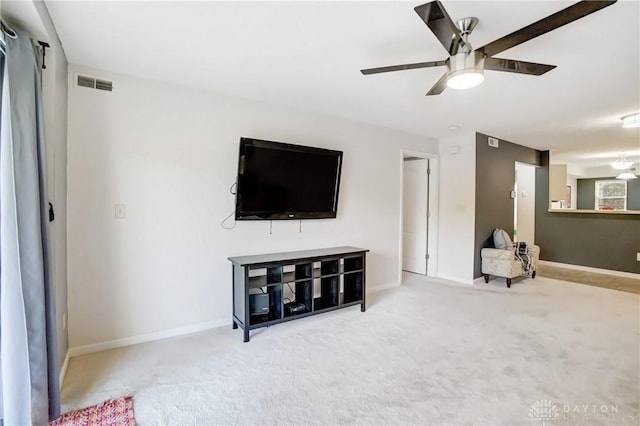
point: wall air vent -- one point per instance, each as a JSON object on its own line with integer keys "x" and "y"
{"x": 85, "y": 81}
{"x": 94, "y": 83}
{"x": 104, "y": 85}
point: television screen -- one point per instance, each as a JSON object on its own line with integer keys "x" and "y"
{"x": 284, "y": 181}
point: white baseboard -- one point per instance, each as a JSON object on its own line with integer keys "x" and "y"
{"x": 455, "y": 279}
{"x": 590, "y": 269}
{"x": 479, "y": 280}
{"x": 133, "y": 340}
{"x": 63, "y": 369}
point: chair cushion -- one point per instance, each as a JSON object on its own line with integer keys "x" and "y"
{"x": 501, "y": 239}
{"x": 491, "y": 253}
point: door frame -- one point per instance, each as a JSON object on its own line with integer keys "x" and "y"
{"x": 432, "y": 230}
{"x": 517, "y": 190}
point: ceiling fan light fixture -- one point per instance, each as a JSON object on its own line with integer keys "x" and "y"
{"x": 466, "y": 70}
{"x": 466, "y": 65}
{"x": 465, "y": 79}
{"x": 621, "y": 163}
{"x": 626, "y": 176}
{"x": 631, "y": 120}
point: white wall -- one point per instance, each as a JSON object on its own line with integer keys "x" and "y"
{"x": 457, "y": 207}
{"x": 605, "y": 171}
{"x": 170, "y": 154}
{"x": 574, "y": 169}
{"x": 33, "y": 17}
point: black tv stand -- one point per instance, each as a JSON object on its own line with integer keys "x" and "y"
{"x": 298, "y": 284}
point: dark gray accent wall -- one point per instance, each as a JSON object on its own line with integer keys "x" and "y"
{"x": 587, "y": 193}
{"x": 598, "y": 240}
{"x": 633, "y": 194}
{"x": 495, "y": 178}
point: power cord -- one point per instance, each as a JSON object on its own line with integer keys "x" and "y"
{"x": 289, "y": 285}
{"x": 227, "y": 218}
{"x": 233, "y": 192}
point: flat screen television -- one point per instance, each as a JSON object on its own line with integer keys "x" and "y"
{"x": 282, "y": 181}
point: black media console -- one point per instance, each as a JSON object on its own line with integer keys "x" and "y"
{"x": 272, "y": 288}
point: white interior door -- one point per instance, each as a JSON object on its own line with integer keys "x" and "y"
{"x": 415, "y": 198}
{"x": 525, "y": 220}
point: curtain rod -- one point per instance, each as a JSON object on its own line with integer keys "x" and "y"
{"x": 44, "y": 45}
{"x": 11, "y": 33}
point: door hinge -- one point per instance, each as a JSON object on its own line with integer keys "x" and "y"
{"x": 426, "y": 256}
{"x": 428, "y": 171}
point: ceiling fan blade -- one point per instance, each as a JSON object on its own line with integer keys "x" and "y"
{"x": 404, "y": 67}
{"x": 439, "y": 22}
{"x": 550, "y": 23}
{"x": 520, "y": 67}
{"x": 439, "y": 86}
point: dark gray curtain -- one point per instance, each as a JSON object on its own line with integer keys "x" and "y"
{"x": 28, "y": 344}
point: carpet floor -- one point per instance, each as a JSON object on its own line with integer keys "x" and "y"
{"x": 428, "y": 352}
{"x": 632, "y": 285}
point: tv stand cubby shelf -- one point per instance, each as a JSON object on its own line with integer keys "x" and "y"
{"x": 272, "y": 288}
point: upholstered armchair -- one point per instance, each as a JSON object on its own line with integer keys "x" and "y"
{"x": 504, "y": 261}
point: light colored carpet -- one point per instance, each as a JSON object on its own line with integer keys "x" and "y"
{"x": 429, "y": 352}
{"x": 632, "y": 285}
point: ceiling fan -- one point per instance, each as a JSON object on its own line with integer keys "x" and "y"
{"x": 466, "y": 65}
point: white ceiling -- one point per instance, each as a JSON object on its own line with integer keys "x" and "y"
{"x": 308, "y": 55}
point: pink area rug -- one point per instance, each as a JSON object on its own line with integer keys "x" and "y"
{"x": 115, "y": 412}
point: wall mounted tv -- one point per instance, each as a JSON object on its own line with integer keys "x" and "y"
{"x": 283, "y": 181}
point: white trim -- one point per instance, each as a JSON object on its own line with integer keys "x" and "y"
{"x": 434, "y": 185}
{"x": 400, "y": 216}
{"x": 455, "y": 279}
{"x": 590, "y": 269}
{"x": 142, "y": 338}
{"x": 134, "y": 340}
{"x": 479, "y": 280}
{"x": 599, "y": 183}
{"x": 63, "y": 369}
{"x": 434, "y": 217}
